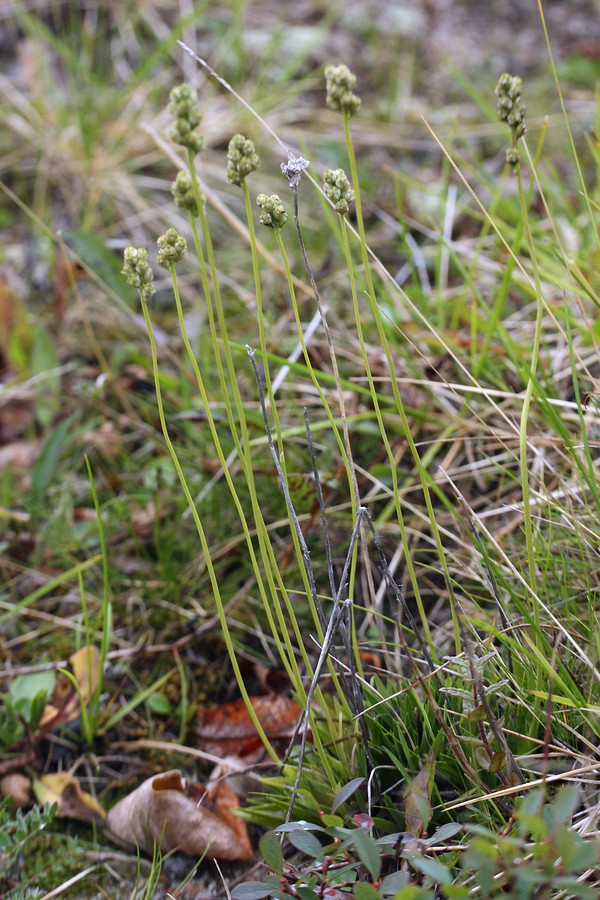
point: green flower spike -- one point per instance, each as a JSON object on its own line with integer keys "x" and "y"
{"x": 182, "y": 190}
{"x": 137, "y": 271}
{"x": 512, "y": 112}
{"x": 273, "y": 214}
{"x": 171, "y": 248}
{"x": 340, "y": 84}
{"x": 242, "y": 159}
{"x": 510, "y": 109}
{"x": 337, "y": 189}
{"x": 187, "y": 118}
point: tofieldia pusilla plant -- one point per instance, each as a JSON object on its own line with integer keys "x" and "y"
{"x": 512, "y": 112}
{"x": 273, "y": 213}
{"x": 340, "y": 83}
{"x": 187, "y": 118}
{"x": 242, "y": 159}
{"x": 337, "y": 189}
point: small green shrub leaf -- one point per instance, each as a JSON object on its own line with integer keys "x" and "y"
{"x": 368, "y": 852}
{"x": 394, "y": 882}
{"x": 346, "y": 792}
{"x": 159, "y": 704}
{"x": 255, "y": 890}
{"x": 432, "y": 868}
{"x": 297, "y": 826}
{"x": 365, "y": 891}
{"x": 443, "y": 833}
{"x": 307, "y": 843}
{"x": 271, "y": 851}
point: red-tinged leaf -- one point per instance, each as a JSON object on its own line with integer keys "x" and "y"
{"x": 417, "y": 798}
{"x": 363, "y": 821}
{"x": 166, "y": 811}
{"x": 229, "y": 730}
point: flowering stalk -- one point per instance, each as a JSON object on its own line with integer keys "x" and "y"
{"x": 172, "y": 249}
{"x": 512, "y": 112}
{"x": 340, "y": 83}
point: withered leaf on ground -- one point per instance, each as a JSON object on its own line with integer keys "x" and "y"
{"x": 73, "y": 802}
{"x": 229, "y": 730}
{"x": 169, "y": 812}
{"x": 65, "y": 703}
{"x": 18, "y": 787}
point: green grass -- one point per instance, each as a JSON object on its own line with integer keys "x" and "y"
{"x": 450, "y": 387}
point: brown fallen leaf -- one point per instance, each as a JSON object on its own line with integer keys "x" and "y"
{"x": 19, "y": 455}
{"x": 18, "y": 787}
{"x": 228, "y": 729}
{"x": 73, "y": 803}
{"x": 169, "y": 812}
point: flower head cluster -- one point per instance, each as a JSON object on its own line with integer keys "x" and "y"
{"x": 510, "y": 108}
{"x": 337, "y": 188}
{"x": 182, "y": 190}
{"x": 242, "y": 159}
{"x": 171, "y": 248}
{"x": 273, "y": 214}
{"x": 340, "y": 84}
{"x": 137, "y": 271}
{"x": 187, "y": 118}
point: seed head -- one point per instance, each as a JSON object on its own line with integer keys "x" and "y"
{"x": 293, "y": 169}
{"x": 273, "y": 214}
{"x": 338, "y": 189}
{"x": 137, "y": 271}
{"x": 242, "y": 159}
{"x": 182, "y": 190}
{"x": 171, "y": 248}
{"x": 187, "y": 118}
{"x": 510, "y": 109}
{"x": 340, "y": 83}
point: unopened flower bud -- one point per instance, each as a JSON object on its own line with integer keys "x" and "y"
{"x": 273, "y": 215}
{"x": 171, "y": 248}
{"x": 340, "y": 82}
{"x": 138, "y": 272}
{"x": 242, "y": 159}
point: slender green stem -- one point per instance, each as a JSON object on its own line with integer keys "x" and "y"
{"x": 201, "y": 534}
{"x": 523, "y": 424}
{"x": 402, "y": 411}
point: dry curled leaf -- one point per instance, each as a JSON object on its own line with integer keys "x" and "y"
{"x": 167, "y": 811}
{"x": 228, "y": 729}
{"x": 66, "y": 700}
{"x": 73, "y": 803}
